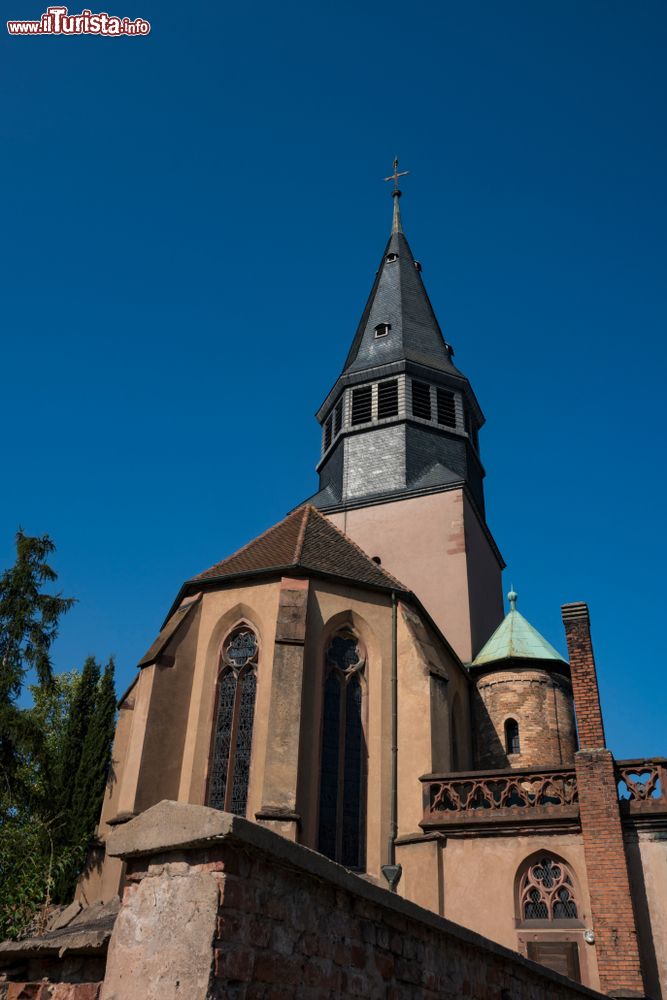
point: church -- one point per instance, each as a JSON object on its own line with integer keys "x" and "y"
{"x": 350, "y": 680}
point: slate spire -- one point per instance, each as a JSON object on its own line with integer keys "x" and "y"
{"x": 399, "y": 300}
{"x": 401, "y": 419}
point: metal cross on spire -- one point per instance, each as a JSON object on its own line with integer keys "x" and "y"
{"x": 394, "y": 177}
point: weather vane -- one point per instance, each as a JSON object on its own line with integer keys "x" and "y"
{"x": 396, "y": 174}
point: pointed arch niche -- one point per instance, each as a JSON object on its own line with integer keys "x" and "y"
{"x": 549, "y": 913}
{"x": 343, "y": 754}
{"x": 231, "y": 746}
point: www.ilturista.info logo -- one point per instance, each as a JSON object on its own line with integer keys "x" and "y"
{"x": 57, "y": 21}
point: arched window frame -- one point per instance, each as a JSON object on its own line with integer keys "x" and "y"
{"x": 541, "y": 901}
{"x": 356, "y": 673}
{"x": 512, "y": 736}
{"x": 237, "y": 682}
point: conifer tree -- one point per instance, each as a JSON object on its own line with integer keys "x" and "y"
{"x": 54, "y": 755}
{"x": 93, "y": 770}
{"x": 77, "y": 725}
{"x": 29, "y": 620}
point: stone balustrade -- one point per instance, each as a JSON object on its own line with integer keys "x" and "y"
{"x": 642, "y": 786}
{"x": 473, "y": 797}
{"x": 532, "y": 795}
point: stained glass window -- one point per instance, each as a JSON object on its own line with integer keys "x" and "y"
{"x": 547, "y": 891}
{"x": 232, "y": 743}
{"x": 343, "y": 760}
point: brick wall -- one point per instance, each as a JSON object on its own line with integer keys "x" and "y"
{"x": 246, "y": 914}
{"x": 280, "y": 935}
{"x": 49, "y": 991}
{"x": 584, "y": 676}
{"x": 606, "y": 863}
{"x": 541, "y": 704}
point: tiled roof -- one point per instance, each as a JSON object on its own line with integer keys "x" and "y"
{"x": 304, "y": 540}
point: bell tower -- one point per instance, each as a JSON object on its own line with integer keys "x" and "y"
{"x": 400, "y": 468}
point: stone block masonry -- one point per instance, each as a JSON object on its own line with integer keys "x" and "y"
{"x": 218, "y": 907}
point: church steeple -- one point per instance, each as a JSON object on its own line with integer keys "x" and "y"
{"x": 401, "y": 419}
{"x": 399, "y": 300}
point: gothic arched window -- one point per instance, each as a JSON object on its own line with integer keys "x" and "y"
{"x": 546, "y": 891}
{"x": 512, "y": 742}
{"x": 343, "y": 760}
{"x": 232, "y": 740}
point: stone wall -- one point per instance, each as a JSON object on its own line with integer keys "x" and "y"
{"x": 220, "y": 907}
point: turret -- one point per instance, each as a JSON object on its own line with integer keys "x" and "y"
{"x": 523, "y": 711}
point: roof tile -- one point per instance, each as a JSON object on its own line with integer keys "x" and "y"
{"x": 305, "y": 540}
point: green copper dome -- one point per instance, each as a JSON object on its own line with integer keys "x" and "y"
{"x": 515, "y": 639}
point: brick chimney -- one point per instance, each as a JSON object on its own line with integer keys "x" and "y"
{"x": 606, "y": 863}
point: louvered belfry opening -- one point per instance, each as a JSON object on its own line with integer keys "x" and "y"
{"x": 388, "y": 399}
{"x": 338, "y": 417}
{"x": 343, "y": 759}
{"x": 421, "y": 400}
{"x": 446, "y": 407}
{"x": 362, "y": 404}
{"x": 229, "y": 771}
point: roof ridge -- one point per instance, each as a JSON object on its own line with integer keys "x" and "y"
{"x": 302, "y": 533}
{"x": 350, "y": 541}
{"x": 263, "y": 534}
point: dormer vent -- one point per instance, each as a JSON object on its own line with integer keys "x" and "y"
{"x": 390, "y": 258}
{"x": 382, "y": 329}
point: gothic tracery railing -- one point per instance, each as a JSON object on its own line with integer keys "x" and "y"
{"x": 446, "y": 799}
{"x": 545, "y": 794}
{"x": 642, "y": 784}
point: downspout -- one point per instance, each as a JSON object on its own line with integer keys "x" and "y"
{"x": 391, "y": 871}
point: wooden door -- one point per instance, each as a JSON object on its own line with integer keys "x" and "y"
{"x": 560, "y": 956}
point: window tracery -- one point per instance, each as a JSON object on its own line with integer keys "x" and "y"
{"x": 546, "y": 891}
{"x": 232, "y": 741}
{"x": 342, "y": 764}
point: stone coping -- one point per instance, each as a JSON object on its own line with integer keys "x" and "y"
{"x": 172, "y": 827}
{"x": 87, "y": 933}
{"x": 84, "y": 940}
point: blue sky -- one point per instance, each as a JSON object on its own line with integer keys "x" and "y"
{"x": 191, "y": 223}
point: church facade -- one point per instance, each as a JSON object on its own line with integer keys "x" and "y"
{"x": 350, "y": 679}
